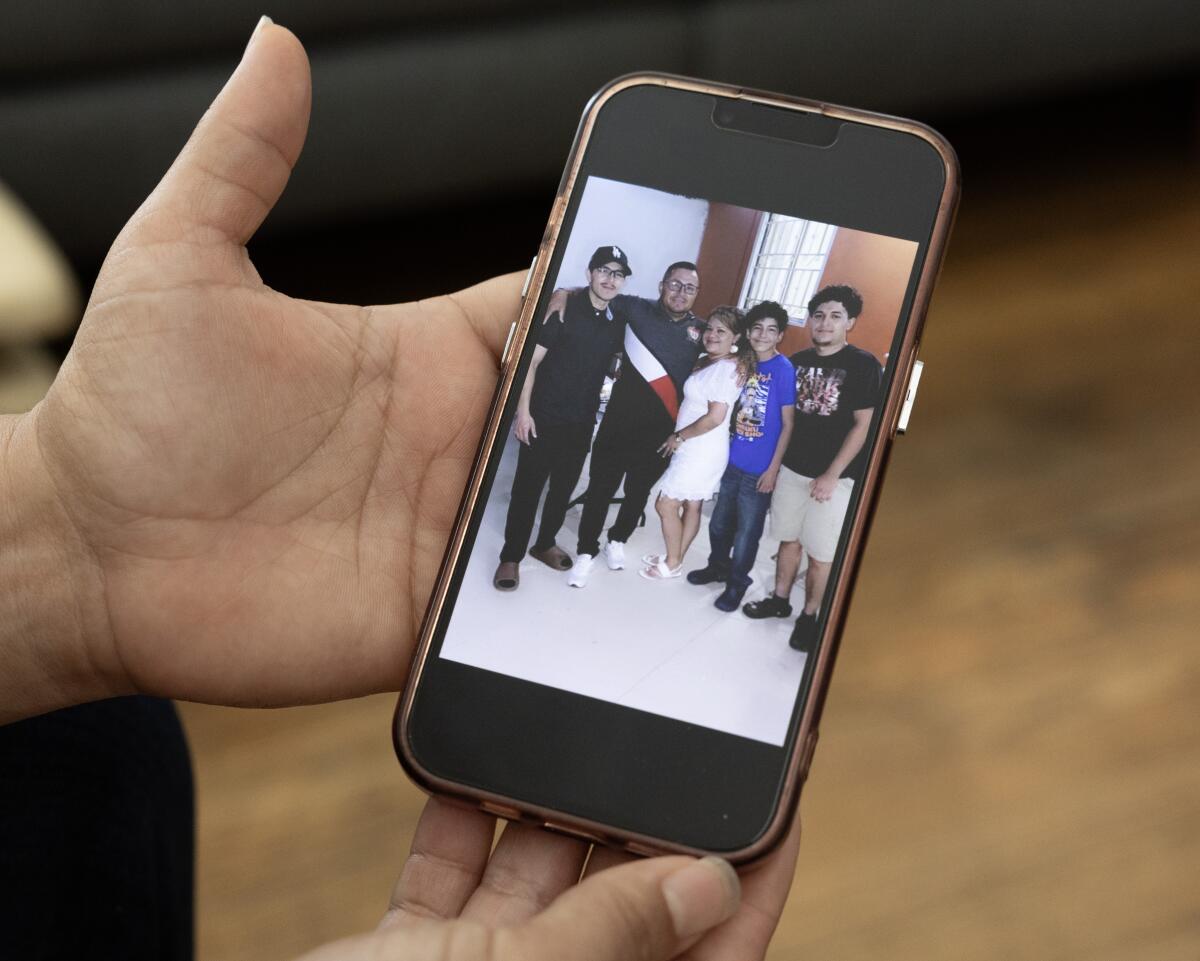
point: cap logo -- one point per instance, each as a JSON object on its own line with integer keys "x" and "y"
{"x": 617, "y": 255}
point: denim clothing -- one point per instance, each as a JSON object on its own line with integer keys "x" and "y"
{"x": 736, "y": 526}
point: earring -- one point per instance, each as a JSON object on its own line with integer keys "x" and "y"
{"x": 733, "y": 349}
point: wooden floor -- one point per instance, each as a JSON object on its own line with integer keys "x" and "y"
{"x": 1010, "y": 759}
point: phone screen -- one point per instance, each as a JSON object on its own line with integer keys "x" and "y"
{"x": 653, "y": 333}
{"x": 677, "y": 467}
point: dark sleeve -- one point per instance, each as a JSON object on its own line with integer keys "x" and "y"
{"x": 626, "y": 306}
{"x": 97, "y": 798}
{"x": 549, "y": 332}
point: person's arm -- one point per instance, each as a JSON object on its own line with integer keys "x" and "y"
{"x": 766, "y": 481}
{"x": 714, "y": 417}
{"x": 822, "y": 487}
{"x": 53, "y": 621}
{"x": 525, "y": 428}
{"x": 557, "y": 304}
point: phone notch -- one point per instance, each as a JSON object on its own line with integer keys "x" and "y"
{"x": 763, "y": 120}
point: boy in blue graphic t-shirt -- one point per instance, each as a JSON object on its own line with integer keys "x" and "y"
{"x": 760, "y": 436}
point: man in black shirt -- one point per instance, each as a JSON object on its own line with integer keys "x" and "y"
{"x": 556, "y": 412}
{"x": 837, "y": 388}
{"x": 661, "y": 344}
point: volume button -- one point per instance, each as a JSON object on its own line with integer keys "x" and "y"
{"x": 910, "y": 397}
{"x": 529, "y": 276}
{"x": 507, "y": 344}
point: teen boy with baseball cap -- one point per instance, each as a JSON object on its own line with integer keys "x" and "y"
{"x": 556, "y": 412}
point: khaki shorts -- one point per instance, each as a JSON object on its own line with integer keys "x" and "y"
{"x": 796, "y": 516}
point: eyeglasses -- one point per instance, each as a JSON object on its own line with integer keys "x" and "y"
{"x": 674, "y": 286}
{"x": 606, "y": 272}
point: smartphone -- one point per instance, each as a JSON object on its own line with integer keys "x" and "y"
{"x": 636, "y": 621}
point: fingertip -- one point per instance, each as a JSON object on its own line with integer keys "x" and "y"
{"x": 280, "y": 64}
{"x": 701, "y": 895}
{"x": 240, "y": 156}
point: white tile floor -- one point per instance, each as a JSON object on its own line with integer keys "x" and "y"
{"x": 659, "y": 646}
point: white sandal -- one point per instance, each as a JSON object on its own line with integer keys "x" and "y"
{"x": 660, "y": 571}
{"x": 652, "y": 560}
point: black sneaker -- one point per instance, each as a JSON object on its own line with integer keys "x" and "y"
{"x": 804, "y": 634}
{"x": 770, "y": 606}
{"x": 706, "y": 575}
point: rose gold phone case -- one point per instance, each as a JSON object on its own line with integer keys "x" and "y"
{"x": 805, "y": 740}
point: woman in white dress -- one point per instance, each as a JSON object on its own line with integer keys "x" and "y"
{"x": 699, "y": 448}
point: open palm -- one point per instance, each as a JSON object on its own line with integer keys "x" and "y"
{"x": 252, "y": 473}
{"x": 261, "y": 489}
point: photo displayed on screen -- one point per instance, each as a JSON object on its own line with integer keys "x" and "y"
{"x": 676, "y": 479}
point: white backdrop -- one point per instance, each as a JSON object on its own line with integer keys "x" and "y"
{"x": 653, "y": 228}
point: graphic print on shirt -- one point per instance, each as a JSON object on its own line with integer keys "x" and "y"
{"x": 819, "y": 390}
{"x": 752, "y": 414}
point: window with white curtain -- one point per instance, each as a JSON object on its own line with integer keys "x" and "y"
{"x": 789, "y": 259}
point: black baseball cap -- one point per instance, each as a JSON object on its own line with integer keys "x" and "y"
{"x": 606, "y": 255}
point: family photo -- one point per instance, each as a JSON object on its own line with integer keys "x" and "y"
{"x": 680, "y": 467}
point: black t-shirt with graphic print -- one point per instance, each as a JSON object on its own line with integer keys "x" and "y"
{"x": 579, "y": 348}
{"x": 828, "y": 392}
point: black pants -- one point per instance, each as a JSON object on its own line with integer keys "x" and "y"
{"x": 556, "y": 454}
{"x": 623, "y": 451}
{"x": 96, "y": 834}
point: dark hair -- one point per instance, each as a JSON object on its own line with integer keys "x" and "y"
{"x": 767, "y": 308}
{"x": 735, "y": 320}
{"x": 681, "y": 265}
{"x": 844, "y": 294}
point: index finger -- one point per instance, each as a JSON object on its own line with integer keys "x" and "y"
{"x": 449, "y": 852}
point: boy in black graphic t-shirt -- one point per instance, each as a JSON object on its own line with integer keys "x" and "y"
{"x": 556, "y": 413}
{"x": 837, "y": 388}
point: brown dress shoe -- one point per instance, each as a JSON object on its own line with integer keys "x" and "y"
{"x": 554, "y": 557}
{"x": 507, "y": 576}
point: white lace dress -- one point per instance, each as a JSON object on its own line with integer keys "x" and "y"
{"x": 694, "y": 473}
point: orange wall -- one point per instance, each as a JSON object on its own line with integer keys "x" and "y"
{"x": 878, "y": 267}
{"x": 725, "y": 252}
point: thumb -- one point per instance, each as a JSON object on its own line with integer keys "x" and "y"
{"x": 238, "y": 160}
{"x": 651, "y": 909}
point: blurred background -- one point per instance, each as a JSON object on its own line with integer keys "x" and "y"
{"x": 1010, "y": 757}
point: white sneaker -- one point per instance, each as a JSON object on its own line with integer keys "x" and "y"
{"x": 614, "y": 555}
{"x": 580, "y": 570}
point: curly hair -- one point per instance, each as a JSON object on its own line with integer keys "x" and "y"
{"x": 767, "y": 308}
{"x": 844, "y": 294}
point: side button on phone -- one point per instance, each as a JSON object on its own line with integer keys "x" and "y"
{"x": 910, "y": 397}
{"x": 501, "y": 810}
{"x": 573, "y": 832}
{"x": 508, "y": 344}
{"x": 529, "y": 276}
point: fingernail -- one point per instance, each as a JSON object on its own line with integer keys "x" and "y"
{"x": 701, "y": 895}
{"x": 263, "y": 21}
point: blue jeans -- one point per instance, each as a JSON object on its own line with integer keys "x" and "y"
{"x": 736, "y": 526}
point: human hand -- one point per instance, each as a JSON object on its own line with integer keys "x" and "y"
{"x": 453, "y": 903}
{"x": 258, "y": 502}
{"x": 766, "y": 480}
{"x": 822, "y": 487}
{"x": 524, "y": 427}
{"x": 670, "y": 445}
{"x": 556, "y": 304}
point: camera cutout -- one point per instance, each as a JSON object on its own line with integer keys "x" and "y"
{"x": 743, "y": 116}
